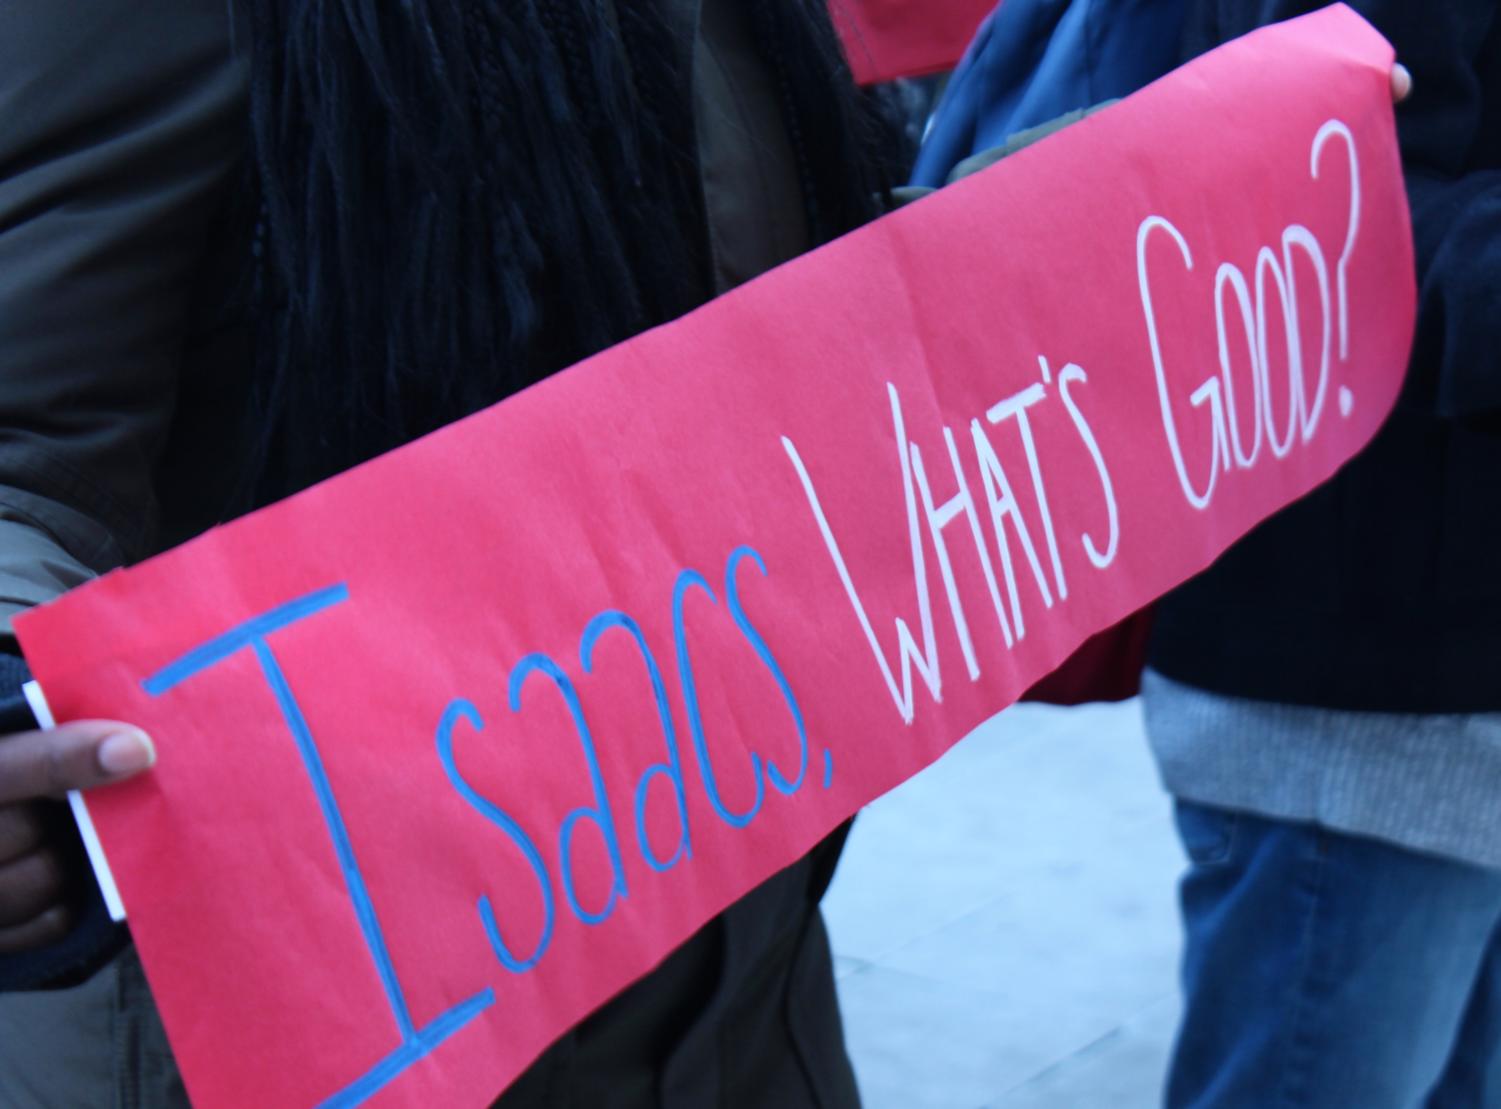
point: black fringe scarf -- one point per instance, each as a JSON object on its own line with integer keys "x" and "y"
{"x": 460, "y": 197}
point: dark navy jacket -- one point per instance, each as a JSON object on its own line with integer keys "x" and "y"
{"x": 1381, "y": 590}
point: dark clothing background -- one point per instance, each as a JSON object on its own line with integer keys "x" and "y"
{"x": 1381, "y": 590}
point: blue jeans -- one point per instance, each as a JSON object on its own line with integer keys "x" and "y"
{"x": 1328, "y": 971}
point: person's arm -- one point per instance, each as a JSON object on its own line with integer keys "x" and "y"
{"x": 121, "y": 130}
{"x": 1451, "y": 147}
{"x": 120, "y": 126}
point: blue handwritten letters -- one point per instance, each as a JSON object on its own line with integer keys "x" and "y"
{"x": 525, "y": 683}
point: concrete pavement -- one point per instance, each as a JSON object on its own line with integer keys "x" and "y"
{"x": 1004, "y": 924}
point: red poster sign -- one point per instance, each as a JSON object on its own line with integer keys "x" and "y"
{"x": 457, "y": 745}
{"x": 886, "y": 39}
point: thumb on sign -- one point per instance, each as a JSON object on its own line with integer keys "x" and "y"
{"x": 35, "y": 883}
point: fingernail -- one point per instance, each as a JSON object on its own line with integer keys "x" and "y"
{"x": 126, "y": 753}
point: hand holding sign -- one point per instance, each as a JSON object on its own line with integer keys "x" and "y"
{"x": 34, "y": 766}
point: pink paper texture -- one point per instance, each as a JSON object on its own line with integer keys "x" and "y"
{"x": 887, "y": 39}
{"x": 563, "y": 680}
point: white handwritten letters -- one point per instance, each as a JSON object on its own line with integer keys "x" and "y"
{"x": 928, "y": 521}
{"x": 1253, "y": 417}
{"x": 1225, "y": 399}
